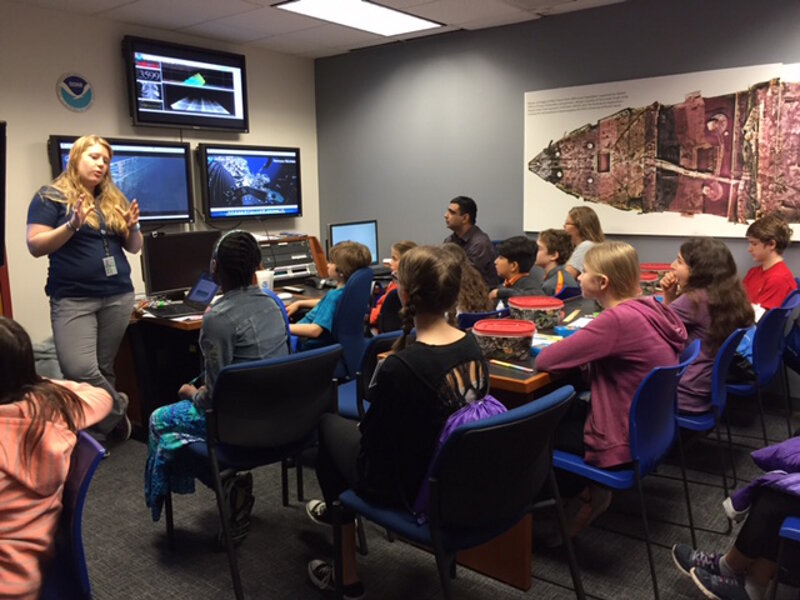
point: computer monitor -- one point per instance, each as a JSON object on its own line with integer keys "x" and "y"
{"x": 173, "y": 262}
{"x": 155, "y": 173}
{"x": 250, "y": 182}
{"x": 365, "y": 232}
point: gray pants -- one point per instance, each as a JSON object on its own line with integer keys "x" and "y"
{"x": 87, "y": 334}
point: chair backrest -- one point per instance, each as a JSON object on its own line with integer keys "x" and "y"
{"x": 466, "y": 320}
{"x": 568, "y": 292}
{"x": 490, "y": 471}
{"x": 722, "y": 364}
{"x": 652, "y": 417}
{"x": 273, "y": 402}
{"x": 66, "y": 576}
{"x": 280, "y": 304}
{"x": 348, "y": 321}
{"x": 389, "y": 317}
{"x": 770, "y": 338}
{"x": 689, "y": 354}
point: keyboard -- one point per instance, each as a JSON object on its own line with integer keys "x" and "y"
{"x": 176, "y": 309}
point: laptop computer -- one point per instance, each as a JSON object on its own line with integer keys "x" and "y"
{"x": 195, "y": 303}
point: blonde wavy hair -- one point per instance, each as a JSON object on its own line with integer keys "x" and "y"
{"x": 109, "y": 197}
{"x": 619, "y": 262}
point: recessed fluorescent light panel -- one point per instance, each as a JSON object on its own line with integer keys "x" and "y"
{"x": 359, "y": 15}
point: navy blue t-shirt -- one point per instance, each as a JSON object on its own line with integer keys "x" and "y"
{"x": 76, "y": 269}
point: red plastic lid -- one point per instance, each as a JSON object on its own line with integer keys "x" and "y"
{"x": 535, "y": 302}
{"x": 647, "y": 276}
{"x": 505, "y": 327}
{"x": 655, "y": 266}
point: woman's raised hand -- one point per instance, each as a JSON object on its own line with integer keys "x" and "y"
{"x": 131, "y": 215}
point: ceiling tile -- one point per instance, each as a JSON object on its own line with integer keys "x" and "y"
{"x": 575, "y": 5}
{"x": 177, "y": 14}
{"x": 253, "y": 25}
{"x": 496, "y": 22}
{"x": 83, "y": 7}
{"x": 324, "y": 37}
{"x": 457, "y": 12}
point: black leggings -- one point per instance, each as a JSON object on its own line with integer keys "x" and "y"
{"x": 337, "y": 459}
{"x": 758, "y": 537}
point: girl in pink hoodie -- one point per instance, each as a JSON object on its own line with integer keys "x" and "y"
{"x": 631, "y": 336}
{"x": 39, "y": 419}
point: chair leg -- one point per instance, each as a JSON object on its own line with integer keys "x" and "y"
{"x": 761, "y": 414}
{"x": 298, "y": 464}
{"x": 224, "y": 516}
{"x": 445, "y": 564}
{"x": 788, "y": 400}
{"x": 775, "y": 583}
{"x": 646, "y": 531}
{"x": 577, "y": 583}
{"x": 362, "y": 536}
{"x": 722, "y": 472}
{"x": 686, "y": 490}
{"x": 284, "y": 482}
{"x": 730, "y": 453}
{"x": 338, "y": 569}
{"x": 170, "y": 523}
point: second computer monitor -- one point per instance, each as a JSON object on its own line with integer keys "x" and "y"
{"x": 173, "y": 262}
{"x": 365, "y": 232}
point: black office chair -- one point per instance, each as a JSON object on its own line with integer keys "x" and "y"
{"x": 262, "y": 412}
{"x": 389, "y": 317}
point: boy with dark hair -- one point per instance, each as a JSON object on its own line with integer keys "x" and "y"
{"x": 514, "y": 263}
{"x": 769, "y": 282}
{"x": 554, "y": 249}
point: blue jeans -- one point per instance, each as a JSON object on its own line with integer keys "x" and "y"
{"x": 87, "y": 333}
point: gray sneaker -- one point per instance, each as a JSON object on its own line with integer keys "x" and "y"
{"x": 719, "y": 587}
{"x": 686, "y": 558}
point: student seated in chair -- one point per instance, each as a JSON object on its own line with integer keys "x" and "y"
{"x": 616, "y": 350}
{"x": 473, "y": 295}
{"x": 242, "y": 326}
{"x": 344, "y": 259}
{"x": 39, "y": 420}
{"x": 554, "y": 249}
{"x": 398, "y": 249}
{"x": 770, "y": 281}
{"x": 514, "y": 264}
{"x": 415, "y": 390}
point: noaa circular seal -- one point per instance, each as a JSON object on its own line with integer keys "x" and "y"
{"x": 75, "y": 92}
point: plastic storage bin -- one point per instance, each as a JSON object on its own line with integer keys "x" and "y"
{"x": 504, "y": 338}
{"x": 659, "y": 269}
{"x": 546, "y": 312}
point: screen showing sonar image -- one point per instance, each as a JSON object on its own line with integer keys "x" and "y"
{"x": 156, "y": 174}
{"x": 242, "y": 182}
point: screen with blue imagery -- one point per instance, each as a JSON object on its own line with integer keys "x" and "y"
{"x": 156, "y": 174}
{"x": 250, "y": 182}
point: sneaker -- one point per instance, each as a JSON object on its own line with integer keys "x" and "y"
{"x": 686, "y": 558}
{"x": 122, "y": 430}
{"x": 321, "y": 575}
{"x": 317, "y": 511}
{"x": 719, "y": 587}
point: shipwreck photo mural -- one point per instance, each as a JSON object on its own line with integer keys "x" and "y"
{"x": 694, "y": 154}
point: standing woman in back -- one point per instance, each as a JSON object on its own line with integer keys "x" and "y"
{"x": 39, "y": 420}
{"x": 584, "y": 229}
{"x": 83, "y": 222}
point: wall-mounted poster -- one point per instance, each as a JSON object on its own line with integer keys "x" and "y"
{"x": 694, "y": 154}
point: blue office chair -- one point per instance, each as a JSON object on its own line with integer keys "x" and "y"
{"x": 348, "y": 322}
{"x": 568, "y": 292}
{"x": 790, "y": 531}
{"x": 353, "y": 393}
{"x": 653, "y": 430}
{"x": 66, "y": 577}
{"x": 705, "y": 422}
{"x": 290, "y": 339}
{"x": 472, "y": 500}
{"x": 263, "y": 412}
{"x": 768, "y": 350}
{"x": 465, "y": 321}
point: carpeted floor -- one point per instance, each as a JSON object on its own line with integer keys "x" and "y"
{"x": 128, "y": 556}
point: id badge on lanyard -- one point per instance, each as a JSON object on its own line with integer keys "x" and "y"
{"x": 109, "y": 264}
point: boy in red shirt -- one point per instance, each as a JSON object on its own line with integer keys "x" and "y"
{"x": 769, "y": 282}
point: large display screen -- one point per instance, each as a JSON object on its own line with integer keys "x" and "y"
{"x": 183, "y": 86}
{"x": 157, "y": 174}
{"x": 250, "y": 182}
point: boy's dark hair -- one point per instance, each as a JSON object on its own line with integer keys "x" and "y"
{"x": 349, "y": 257}
{"x": 238, "y": 256}
{"x": 467, "y": 206}
{"x": 772, "y": 227}
{"x": 557, "y": 240}
{"x": 519, "y": 249}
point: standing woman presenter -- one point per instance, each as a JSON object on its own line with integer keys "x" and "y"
{"x": 82, "y": 221}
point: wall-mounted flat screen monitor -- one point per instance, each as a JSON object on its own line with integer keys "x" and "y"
{"x": 157, "y": 174}
{"x": 173, "y": 262}
{"x": 250, "y": 182}
{"x": 171, "y": 85}
{"x": 365, "y": 232}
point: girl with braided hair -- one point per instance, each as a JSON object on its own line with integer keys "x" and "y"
{"x": 412, "y": 394}
{"x": 242, "y": 326}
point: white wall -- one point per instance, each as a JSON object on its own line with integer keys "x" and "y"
{"x": 38, "y": 45}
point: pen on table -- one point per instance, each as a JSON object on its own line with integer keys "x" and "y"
{"x": 511, "y": 366}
